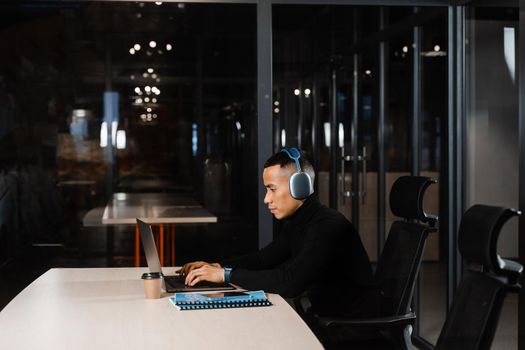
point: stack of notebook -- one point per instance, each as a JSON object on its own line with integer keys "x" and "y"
{"x": 221, "y": 300}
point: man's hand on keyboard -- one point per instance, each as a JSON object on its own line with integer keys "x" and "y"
{"x": 207, "y": 272}
{"x": 187, "y": 268}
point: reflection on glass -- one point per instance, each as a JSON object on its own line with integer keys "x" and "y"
{"x": 121, "y": 139}
{"x": 104, "y": 134}
{"x": 341, "y": 134}
{"x": 327, "y": 134}
{"x": 130, "y": 97}
{"x": 509, "y": 39}
{"x": 492, "y": 125}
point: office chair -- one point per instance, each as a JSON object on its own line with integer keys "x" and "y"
{"x": 397, "y": 268}
{"x": 473, "y": 317}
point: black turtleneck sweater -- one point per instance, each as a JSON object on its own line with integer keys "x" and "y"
{"x": 317, "y": 251}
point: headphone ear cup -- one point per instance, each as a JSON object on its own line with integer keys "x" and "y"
{"x": 301, "y": 186}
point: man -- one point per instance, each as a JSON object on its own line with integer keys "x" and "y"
{"x": 316, "y": 250}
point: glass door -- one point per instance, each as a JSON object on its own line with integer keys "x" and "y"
{"x": 357, "y": 130}
{"x": 391, "y": 108}
{"x": 492, "y": 130}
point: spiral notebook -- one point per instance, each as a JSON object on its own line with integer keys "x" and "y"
{"x": 222, "y": 300}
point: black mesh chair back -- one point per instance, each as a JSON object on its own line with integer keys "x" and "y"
{"x": 400, "y": 260}
{"x": 473, "y": 318}
{"x": 389, "y": 316}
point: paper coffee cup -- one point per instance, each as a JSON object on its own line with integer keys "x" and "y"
{"x": 152, "y": 284}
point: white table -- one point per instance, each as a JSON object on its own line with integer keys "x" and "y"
{"x": 105, "y": 309}
{"x": 150, "y": 185}
{"x": 154, "y": 208}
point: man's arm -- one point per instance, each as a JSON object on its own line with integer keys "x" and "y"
{"x": 295, "y": 276}
{"x": 270, "y": 256}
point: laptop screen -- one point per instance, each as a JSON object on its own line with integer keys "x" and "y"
{"x": 150, "y": 250}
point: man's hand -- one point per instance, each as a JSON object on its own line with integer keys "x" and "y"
{"x": 187, "y": 268}
{"x": 208, "y": 272}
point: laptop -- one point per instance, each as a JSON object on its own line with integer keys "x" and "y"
{"x": 175, "y": 283}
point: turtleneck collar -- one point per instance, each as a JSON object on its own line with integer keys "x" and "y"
{"x": 305, "y": 211}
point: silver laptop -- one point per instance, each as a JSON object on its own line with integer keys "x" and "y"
{"x": 173, "y": 283}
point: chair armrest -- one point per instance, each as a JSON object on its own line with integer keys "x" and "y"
{"x": 511, "y": 269}
{"x": 300, "y": 307}
{"x": 375, "y": 322}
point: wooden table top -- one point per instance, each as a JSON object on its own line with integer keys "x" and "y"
{"x": 105, "y": 308}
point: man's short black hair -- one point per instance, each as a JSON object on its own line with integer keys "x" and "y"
{"x": 282, "y": 159}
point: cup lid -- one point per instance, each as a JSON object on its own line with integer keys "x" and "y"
{"x": 151, "y": 275}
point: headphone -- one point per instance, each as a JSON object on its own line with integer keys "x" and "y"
{"x": 300, "y": 183}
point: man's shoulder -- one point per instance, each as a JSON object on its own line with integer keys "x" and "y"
{"x": 330, "y": 217}
{"x": 325, "y": 212}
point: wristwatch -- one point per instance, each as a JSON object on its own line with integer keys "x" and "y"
{"x": 227, "y": 273}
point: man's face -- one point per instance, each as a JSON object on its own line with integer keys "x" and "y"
{"x": 278, "y": 198}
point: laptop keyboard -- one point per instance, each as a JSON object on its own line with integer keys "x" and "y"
{"x": 176, "y": 279}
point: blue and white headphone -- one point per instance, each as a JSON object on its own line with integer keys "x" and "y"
{"x": 300, "y": 183}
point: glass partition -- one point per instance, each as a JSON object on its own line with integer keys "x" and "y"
{"x": 492, "y": 139}
{"x": 327, "y": 66}
{"x": 106, "y": 97}
{"x": 434, "y": 68}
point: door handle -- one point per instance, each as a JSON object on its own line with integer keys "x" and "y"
{"x": 362, "y": 192}
{"x": 363, "y": 177}
{"x": 344, "y": 192}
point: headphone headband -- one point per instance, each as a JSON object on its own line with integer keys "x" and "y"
{"x": 295, "y": 157}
